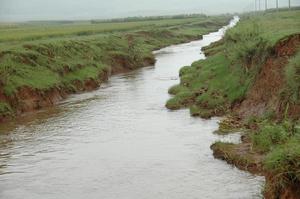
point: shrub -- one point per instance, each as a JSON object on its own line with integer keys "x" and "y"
{"x": 246, "y": 45}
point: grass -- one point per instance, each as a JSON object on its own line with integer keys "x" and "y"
{"x": 247, "y": 45}
{"x": 43, "y": 30}
{"x": 88, "y": 72}
{"x": 281, "y": 144}
{"x": 211, "y": 90}
{"x": 32, "y": 32}
{"x": 271, "y": 135}
{"x": 284, "y": 163}
{"x": 236, "y": 155}
{"x": 182, "y": 99}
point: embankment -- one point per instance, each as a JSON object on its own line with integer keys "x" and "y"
{"x": 41, "y": 72}
{"x": 252, "y": 76}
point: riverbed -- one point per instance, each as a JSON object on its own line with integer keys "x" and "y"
{"x": 120, "y": 142}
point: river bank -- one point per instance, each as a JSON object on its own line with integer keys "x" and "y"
{"x": 39, "y": 69}
{"x": 252, "y": 76}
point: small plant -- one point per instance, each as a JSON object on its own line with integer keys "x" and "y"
{"x": 268, "y": 136}
{"x": 292, "y": 76}
{"x": 283, "y": 162}
{"x": 176, "y": 89}
{"x": 5, "y": 109}
{"x": 181, "y": 100}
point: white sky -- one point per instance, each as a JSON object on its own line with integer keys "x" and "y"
{"x": 22, "y": 10}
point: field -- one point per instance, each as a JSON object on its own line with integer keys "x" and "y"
{"x": 33, "y": 31}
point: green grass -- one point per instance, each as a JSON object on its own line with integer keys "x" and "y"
{"x": 213, "y": 84}
{"x": 13, "y": 33}
{"x": 182, "y": 99}
{"x": 88, "y": 72}
{"x": 232, "y": 154}
{"x": 292, "y": 75}
{"x": 269, "y": 136}
{"x": 32, "y": 32}
{"x": 246, "y": 44}
{"x": 282, "y": 162}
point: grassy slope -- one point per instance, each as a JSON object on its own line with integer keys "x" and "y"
{"x": 43, "y": 57}
{"x": 212, "y": 86}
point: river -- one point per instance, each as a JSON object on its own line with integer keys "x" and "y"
{"x": 120, "y": 142}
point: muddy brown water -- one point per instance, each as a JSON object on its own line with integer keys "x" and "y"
{"x": 120, "y": 142}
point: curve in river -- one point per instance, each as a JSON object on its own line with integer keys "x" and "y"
{"x": 120, "y": 142}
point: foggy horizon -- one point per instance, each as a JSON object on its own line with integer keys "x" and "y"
{"x": 38, "y": 10}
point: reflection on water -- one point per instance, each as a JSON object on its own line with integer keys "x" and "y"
{"x": 121, "y": 142}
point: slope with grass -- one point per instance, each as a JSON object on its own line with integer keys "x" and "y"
{"x": 253, "y": 76}
{"x": 41, "y": 63}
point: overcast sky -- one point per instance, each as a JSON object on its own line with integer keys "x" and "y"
{"x": 23, "y": 10}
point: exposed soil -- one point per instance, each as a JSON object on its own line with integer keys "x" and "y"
{"x": 28, "y": 99}
{"x": 265, "y": 93}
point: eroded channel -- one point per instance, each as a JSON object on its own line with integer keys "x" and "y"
{"x": 120, "y": 142}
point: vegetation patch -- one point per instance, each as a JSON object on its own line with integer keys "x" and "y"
{"x": 238, "y": 155}
{"x": 229, "y": 125}
{"x": 5, "y": 109}
{"x": 283, "y": 162}
{"x": 292, "y": 75}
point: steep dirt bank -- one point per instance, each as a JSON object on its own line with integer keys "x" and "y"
{"x": 265, "y": 94}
